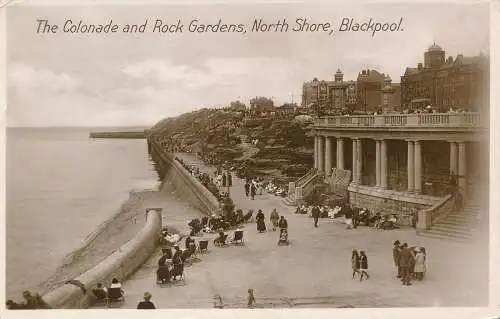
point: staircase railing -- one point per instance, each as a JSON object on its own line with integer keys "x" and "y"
{"x": 292, "y": 186}
{"x": 429, "y": 216}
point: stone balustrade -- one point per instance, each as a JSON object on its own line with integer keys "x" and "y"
{"x": 406, "y": 120}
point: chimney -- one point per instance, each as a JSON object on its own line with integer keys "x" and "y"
{"x": 420, "y": 66}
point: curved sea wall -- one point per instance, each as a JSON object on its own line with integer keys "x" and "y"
{"x": 188, "y": 185}
{"x": 121, "y": 264}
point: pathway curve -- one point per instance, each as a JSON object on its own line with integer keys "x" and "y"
{"x": 314, "y": 271}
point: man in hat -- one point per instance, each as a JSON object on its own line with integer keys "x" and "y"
{"x": 146, "y": 304}
{"x": 395, "y": 256}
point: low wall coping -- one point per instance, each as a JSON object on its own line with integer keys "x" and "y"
{"x": 72, "y": 296}
{"x": 394, "y": 195}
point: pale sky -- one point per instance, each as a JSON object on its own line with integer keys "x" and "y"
{"x": 137, "y": 79}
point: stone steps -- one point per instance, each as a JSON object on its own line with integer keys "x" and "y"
{"x": 456, "y": 225}
{"x": 289, "y": 202}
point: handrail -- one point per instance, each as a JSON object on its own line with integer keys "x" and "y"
{"x": 305, "y": 177}
{"x": 471, "y": 119}
{"x": 429, "y": 216}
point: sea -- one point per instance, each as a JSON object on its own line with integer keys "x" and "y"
{"x": 61, "y": 185}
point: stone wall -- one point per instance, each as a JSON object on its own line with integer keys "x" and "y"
{"x": 386, "y": 201}
{"x": 191, "y": 188}
{"x": 121, "y": 264}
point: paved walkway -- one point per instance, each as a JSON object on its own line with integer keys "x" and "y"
{"x": 315, "y": 270}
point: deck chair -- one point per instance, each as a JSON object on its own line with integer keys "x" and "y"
{"x": 114, "y": 295}
{"x": 238, "y": 237}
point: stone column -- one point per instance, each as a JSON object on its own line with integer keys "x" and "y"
{"x": 328, "y": 155}
{"x": 321, "y": 154}
{"x": 411, "y": 167}
{"x": 359, "y": 161}
{"x": 462, "y": 169}
{"x": 418, "y": 167}
{"x": 377, "y": 163}
{"x": 340, "y": 153}
{"x": 383, "y": 164}
{"x": 354, "y": 161}
{"x": 315, "y": 151}
{"x": 453, "y": 158}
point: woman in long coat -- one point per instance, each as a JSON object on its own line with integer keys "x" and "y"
{"x": 261, "y": 224}
{"x": 355, "y": 263}
{"x": 419, "y": 264}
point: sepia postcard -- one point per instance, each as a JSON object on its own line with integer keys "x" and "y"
{"x": 247, "y": 157}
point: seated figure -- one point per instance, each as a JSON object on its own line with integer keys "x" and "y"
{"x": 99, "y": 292}
{"x": 115, "y": 291}
{"x": 163, "y": 274}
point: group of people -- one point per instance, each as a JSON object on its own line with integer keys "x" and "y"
{"x": 410, "y": 262}
{"x": 114, "y": 292}
{"x": 257, "y": 186}
{"x": 276, "y": 221}
{"x": 171, "y": 266}
{"x": 359, "y": 262}
{"x": 31, "y": 301}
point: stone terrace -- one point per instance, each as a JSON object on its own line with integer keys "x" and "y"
{"x": 315, "y": 270}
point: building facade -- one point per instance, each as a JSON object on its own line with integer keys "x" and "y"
{"x": 405, "y": 163}
{"x": 446, "y": 83}
{"x": 330, "y": 96}
{"x": 370, "y": 90}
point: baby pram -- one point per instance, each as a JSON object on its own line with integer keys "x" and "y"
{"x": 283, "y": 239}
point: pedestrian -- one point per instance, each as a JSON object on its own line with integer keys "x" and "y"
{"x": 419, "y": 264}
{"x": 261, "y": 224}
{"x": 315, "y": 215}
{"x": 274, "y": 219}
{"x": 405, "y": 262}
{"x": 363, "y": 261}
{"x": 251, "y": 299}
{"x": 355, "y": 263}
{"x": 355, "y": 217}
{"x": 146, "y": 304}
{"x": 283, "y": 224}
{"x": 395, "y": 256}
{"x": 247, "y": 188}
{"x": 346, "y": 209}
{"x": 252, "y": 190}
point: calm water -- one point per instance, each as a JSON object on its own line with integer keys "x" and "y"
{"x": 60, "y": 186}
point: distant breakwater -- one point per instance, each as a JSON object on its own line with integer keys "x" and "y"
{"x": 124, "y": 134}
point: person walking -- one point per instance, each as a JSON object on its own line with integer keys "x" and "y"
{"x": 405, "y": 262}
{"x": 253, "y": 189}
{"x": 355, "y": 217}
{"x": 146, "y": 304}
{"x": 261, "y": 224}
{"x": 395, "y": 256}
{"x": 250, "y": 299}
{"x": 283, "y": 224}
{"x": 247, "y": 188}
{"x": 315, "y": 215}
{"x": 274, "y": 218}
{"x": 355, "y": 263}
{"x": 363, "y": 261}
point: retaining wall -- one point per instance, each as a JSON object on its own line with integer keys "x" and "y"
{"x": 121, "y": 264}
{"x": 187, "y": 185}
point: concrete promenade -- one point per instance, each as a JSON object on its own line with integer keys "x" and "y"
{"x": 315, "y": 270}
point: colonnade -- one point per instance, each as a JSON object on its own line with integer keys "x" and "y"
{"x": 323, "y": 146}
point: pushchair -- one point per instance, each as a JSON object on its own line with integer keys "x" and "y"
{"x": 283, "y": 239}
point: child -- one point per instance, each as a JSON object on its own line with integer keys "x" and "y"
{"x": 355, "y": 263}
{"x": 251, "y": 298}
{"x": 363, "y": 260}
